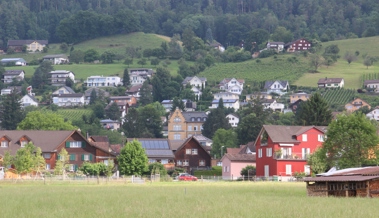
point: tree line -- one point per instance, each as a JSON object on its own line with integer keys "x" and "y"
{"x": 73, "y": 21}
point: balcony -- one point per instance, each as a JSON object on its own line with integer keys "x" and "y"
{"x": 292, "y": 156}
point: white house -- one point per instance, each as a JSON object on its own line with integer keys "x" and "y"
{"x": 225, "y": 95}
{"x": 196, "y": 91}
{"x": 13, "y": 61}
{"x": 101, "y": 81}
{"x": 63, "y": 90}
{"x": 331, "y": 83}
{"x": 278, "y": 86}
{"x": 195, "y": 81}
{"x": 56, "y": 59}
{"x": 140, "y": 75}
{"x": 110, "y": 124}
{"x": 233, "y": 119}
{"x": 188, "y": 105}
{"x": 11, "y": 89}
{"x": 67, "y": 100}
{"x": 372, "y": 84}
{"x": 273, "y": 105}
{"x": 228, "y": 103}
{"x": 373, "y": 115}
{"x": 278, "y": 46}
{"x": 232, "y": 85}
{"x": 58, "y": 77}
{"x": 28, "y": 100}
{"x": 10, "y": 75}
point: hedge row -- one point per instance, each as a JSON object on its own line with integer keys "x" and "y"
{"x": 216, "y": 171}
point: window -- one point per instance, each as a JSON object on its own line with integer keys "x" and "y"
{"x": 46, "y": 155}
{"x": 152, "y": 160}
{"x": 177, "y": 127}
{"x": 185, "y": 163}
{"x": 179, "y": 163}
{"x": 71, "y": 167}
{"x": 305, "y": 153}
{"x": 87, "y": 157}
{"x": 268, "y": 152}
{"x": 189, "y": 128}
{"x": 195, "y": 128}
{"x": 72, "y": 157}
{"x": 194, "y": 151}
{"x": 164, "y": 161}
{"x": 260, "y": 153}
{"x": 304, "y": 136}
{"x": 188, "y": 151}
{"x": 288, "y": 169}
{"x": 286, "y": 153}
{"x": 198, "y": 119}
{"x": 176, "y": 136}
{"x": 320, "y": 137}
{"x": 266, "y": 170}
{"x": 177, "y": 119}
{"x": 23, "y": 143}
{"x": 4, "y": 144}
{"x": 47, "y": 166}
{"x": 307, "y": 170}
{"x": 201, "y": 163}
{"x": 74, "y": 144}
{"x": 225, "y": 167}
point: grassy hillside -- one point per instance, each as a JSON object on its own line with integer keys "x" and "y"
{"x": 74, "y": 114}
{"x": 259, "y": 70}
{"x": 352, "y": 73}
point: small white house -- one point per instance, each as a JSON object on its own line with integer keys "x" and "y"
{"x": 139, "y": 75}
{"x": 233, "y": 120}
{"x": 56, "y": 59}
{"x": 63, "y": 90}
{"x": 28, "y": 100}
{"x": 373, "y": 115}
{"x": 13, "y": 61}
{"x": 232, "y": 85}
{"x": 273, "y": 105}
{"x": 58, "y": 77}
{"x": 372, "y": 84}
{"x": 10, "y": 75}
{"x": 226, "y": 95}
{"x": 101, "y": 81}
{"x": 278, "y": 86}
{"x": 277, "y": 46}
{"x": 195, "y": 81}
{"x": 68, "y": 100}
{"x": 228, "y": 103}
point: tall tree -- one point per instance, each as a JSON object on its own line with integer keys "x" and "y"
{"x": 25, "y": 159}
{"x": 223, "y": 139}
{"x": 40, "y": 77}
{"x": 315, "y": 111}
{"x": 132, "y": 125}
{"x": 177, "y": 103}
{"x": 151, "y": 119}
{"x": 113, "y": 112}
{"x": 146, "y": 96}
{"x": 132, "y": 159}
{"x": 93, "y": 97}
{"x": 351, "y": 141}
{"x": 126, "y": 78}
{"x": 216, "y": 120}
{"x": 37, "y": 120}
{"x": 11, "y": 113}
{"x": 61, "y": 163}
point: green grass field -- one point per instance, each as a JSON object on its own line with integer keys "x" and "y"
{"x": 74, "y": 114}
{"x": 181, "y": 199}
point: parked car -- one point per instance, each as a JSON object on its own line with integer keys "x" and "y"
{"x": 186, "y": 177}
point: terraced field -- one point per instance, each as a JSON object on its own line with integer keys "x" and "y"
{"x": 73, "y": 114}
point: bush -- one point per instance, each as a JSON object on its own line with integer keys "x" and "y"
{"x": 266, "y": 53}
{"x": 216, "y": 171}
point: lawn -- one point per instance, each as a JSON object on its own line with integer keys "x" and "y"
{"x": 177, "y": 199}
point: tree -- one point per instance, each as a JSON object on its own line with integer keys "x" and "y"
{"x": 98, "y": 109}
{"x": 91, "y": 55}
{"x": 315, "y": 112}
{"x": 174, "y": 49}
{"x": 248, "y": 171}
{"x": 61, "y": 163}
{"x": 249, "y": 127}
{"x": 132, "y": 125}
{"x": 317, "y": 161}
{"x": 315, "y": 61}
{"x": 133, "y": 52}
{"x": 151, "y": 119}
{"x": 142, "y": 62}
{"x": 107, "y": 57}
{"x": 369, "y": 60}
{"x": 93, "y": 97}
{"x": 11, "y": 113}
{"x": 177, "y": 103}
{"x": 154, "y": 61}
{"x": 128, "y": 61}
{"x": 146, "y": 96}
{"x": 223, "y": 139}
{"x": 24, "y": 160}
{"x": 126, "y": 78}
{"x": 350, "y": 57}
{"x": 63, "y": 47}
{"x": 351, "y": 141}
{"x": 132, "y": 159}
{"x": 37, "y": 120}
{"x": 113, "y": 112}
{"x": 281, "y": 34}
{"x": 40, "y": 77}
{"x": 216, "y": 120}
{"x": 209, "y": 36}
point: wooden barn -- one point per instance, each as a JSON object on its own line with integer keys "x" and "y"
{"x": 352, "y": 182}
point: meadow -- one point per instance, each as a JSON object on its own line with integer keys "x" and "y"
{"x": 74, "y": 114}
{"x": 177, "y": 199}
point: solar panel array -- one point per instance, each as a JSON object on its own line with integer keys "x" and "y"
{"x": 150, "y": 144}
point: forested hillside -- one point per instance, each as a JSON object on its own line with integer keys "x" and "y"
{"x": 227, "y": 21}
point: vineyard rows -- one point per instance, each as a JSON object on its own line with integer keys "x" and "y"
{"x": 73, "y": 114}
{"x": 339, "y": 96}
{"x": 369, "y": 76}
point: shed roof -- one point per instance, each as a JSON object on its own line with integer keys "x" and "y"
{"x": 329, "y": 80}
{"x": 340, "y": 178}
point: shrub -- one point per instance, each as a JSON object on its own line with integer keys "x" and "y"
{"x": 216, "y": 171}
{"x": 266, "y": 53}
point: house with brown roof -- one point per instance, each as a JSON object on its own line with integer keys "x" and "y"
{"x": 31, "y": 45}
{"x": 236, "y": 159}
{"x": 351, "y": 182}
{"x": 301, "y": 95}
{"x": 356, "y": 104}
{"x": 283, "y": 150}
{"x": 182, "y": 125}
{"x": 191, "y": 155}
{"x": 10, "y": 75}
{"x": 372, "y": 85}
{"x": 298, "y": 45}
{"x": 51, "y": 143}
{"x": 331, "y": 82}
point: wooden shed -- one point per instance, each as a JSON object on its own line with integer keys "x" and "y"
{"x": 352, "y": 182}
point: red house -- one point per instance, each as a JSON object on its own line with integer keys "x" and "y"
{"x": 283, "y": 150}
{"x": 298, "y": 45}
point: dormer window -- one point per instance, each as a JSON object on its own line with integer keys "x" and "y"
{"x": 192, "y": 118}
{"x": 198, "y": 119}
{"x": 4, "y": 144}
{"x": 23, "y": 143}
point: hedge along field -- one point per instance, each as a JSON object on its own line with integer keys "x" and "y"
{"x": 178, "y": 199}
{"x": 284, "y": 67}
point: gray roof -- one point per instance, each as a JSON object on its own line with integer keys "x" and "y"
{"x": 26, "y": 42}
{"x": 194, "y": 114}
{"x": 283, "y": 134}
{"x": 240, "y": 157}
{"x": 69, "y": 89}
{"x": 120, "y": 97}
{"x": 73, "y": 95}
{"x": 13, "y": 72}
{"x": 159, "y": 153}
{"x": 60, "y": 72}
{"x": 98, "y": 91}
{"x": 269, "y": 83}
{"x": 32, "y": 97}
{"x": 329, "y": 80}
{"x": 55, "y": 56}
{"x": 155, "y": 147}
{"x": 6, "y": 60}
{"x": 187, "y": 79}
{"x": 366, "y": 82}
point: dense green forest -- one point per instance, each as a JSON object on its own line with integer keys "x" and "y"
{"x": 227, "y": 21}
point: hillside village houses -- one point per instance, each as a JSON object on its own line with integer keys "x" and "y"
{"x": 13, "y": 62}
{"x": 331, "y": 83}
{"x": 277, "y": 46}
{"x": 232, "y": 85}
{"x": 233, "y": 119}
{"x": 11, "y": 89}
{"x": 374, "y": 114}
{"x": 11, "y": 75}
{"x": 372, "y": 85}
{"x": 298, "y": 45}
{"x": 101, "y": 81}
{"x": 182, "y": 125}
{"x": 139, "y": 75}
{"x": 56, "y": 59}
{"x": 300, "y": 95}
{"x": 59, "y": 77}
{"x": 356, "y": 104}
{"x": 188, "y": 105}
{"x": 31, "y": 45}
{"x": 278, "y": 86}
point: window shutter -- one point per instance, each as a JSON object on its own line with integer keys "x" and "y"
{"x": 58, "y": 157}
{"x": 90, "y": 157}
{"x": 82, "y": 156}
{"x": 75, "y": 167}
{"x": 67, "y": 144}
{"x": 83, "y": 144}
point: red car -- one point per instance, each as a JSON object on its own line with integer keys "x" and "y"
{"x": 187, "y": 177}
